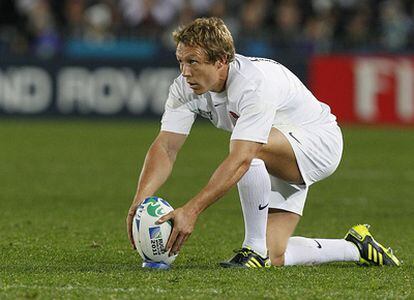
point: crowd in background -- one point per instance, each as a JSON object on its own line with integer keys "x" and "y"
{"x": 48, "y": 28}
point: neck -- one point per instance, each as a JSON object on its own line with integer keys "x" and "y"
{"x": 221, "y": 84}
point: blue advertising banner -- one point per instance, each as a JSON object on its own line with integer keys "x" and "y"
{"x": 65, "y": 87}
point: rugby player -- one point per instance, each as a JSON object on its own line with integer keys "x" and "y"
{"x": 283, "y": 140}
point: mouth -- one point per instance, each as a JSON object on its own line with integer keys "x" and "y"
{"x": 192, "y": 85}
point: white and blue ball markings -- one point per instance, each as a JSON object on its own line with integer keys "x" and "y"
{"x": 150, "y": 238}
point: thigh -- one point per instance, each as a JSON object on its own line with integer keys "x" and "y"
{"x": 287, "y": 196}
{"x": 279, "y": 158}
{"x": 280, "y": 226}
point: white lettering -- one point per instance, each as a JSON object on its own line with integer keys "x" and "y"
{"x": 405, "y": 90}
{"x": 110, "y": 90}
{"x": 25, "y": 90}
{"x": 74, "y": 91}
{"x": 105, "y": 90}
{"x": 370, "y": 81}
{"x": 136, "y": 102}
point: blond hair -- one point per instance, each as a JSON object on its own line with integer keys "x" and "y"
{"x": 211, "y": 34}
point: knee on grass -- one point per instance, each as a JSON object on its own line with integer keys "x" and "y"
{"x": 277, "y": 260}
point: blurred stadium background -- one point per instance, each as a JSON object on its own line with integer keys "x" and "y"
{"x": 88, "y": 57}
{"x": 66, "y": 181}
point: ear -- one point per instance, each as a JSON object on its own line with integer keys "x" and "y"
{"x": 220, "y": 63}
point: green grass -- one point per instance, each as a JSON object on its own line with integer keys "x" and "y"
{"x": 66, "y": 187}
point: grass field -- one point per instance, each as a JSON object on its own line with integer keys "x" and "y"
{"x": 66, "y": 186}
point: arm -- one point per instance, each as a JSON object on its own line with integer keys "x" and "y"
{"x": 226, "y": 176}
{"x": 157, "y": 168}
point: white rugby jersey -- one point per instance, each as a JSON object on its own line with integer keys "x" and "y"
{"x": 259, "y": 93}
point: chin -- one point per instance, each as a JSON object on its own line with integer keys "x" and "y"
{"x": 199, "y": 91}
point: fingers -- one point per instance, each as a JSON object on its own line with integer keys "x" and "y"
{"x": 129, "y": 228}
{"x": 165, "y": 218}
{"x": 131, "y": 239}
{"x": 172, "y": 239}
{"x": 179, "y": 243}
{"x": 130, "y": 236}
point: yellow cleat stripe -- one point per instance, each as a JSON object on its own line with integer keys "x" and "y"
{"x": 254, "y": 260}
{"x": 375, "y": 255}
{"x": 369, "y": 251}
{"x": 250, "y": 264}
{"x": 380, "y": 259}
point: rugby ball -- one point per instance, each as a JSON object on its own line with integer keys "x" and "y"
{"x": 150, "y": 238}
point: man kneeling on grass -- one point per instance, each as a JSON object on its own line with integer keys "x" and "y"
{"x": 283, "y": 140}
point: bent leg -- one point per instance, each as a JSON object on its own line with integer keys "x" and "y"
{"x": 280, "y": 159}
{"x": 280, "y": 227}
{"x": 312, "y": 251}
{"x": 318, "y": 156}
{"x": 254, "y": 190}
{"x": 277, "y": 158}
{"x": 285, "y": 250}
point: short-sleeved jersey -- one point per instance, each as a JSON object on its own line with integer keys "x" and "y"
{"x": 259, "y": 94}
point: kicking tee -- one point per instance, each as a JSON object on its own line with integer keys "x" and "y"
{"x": 259, "y": 94}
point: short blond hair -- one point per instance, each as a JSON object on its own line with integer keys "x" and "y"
{"x": 211, "y": 34}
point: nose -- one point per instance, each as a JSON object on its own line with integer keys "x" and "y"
{"x": 185, "y": 70}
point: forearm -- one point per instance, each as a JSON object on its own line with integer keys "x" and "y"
{"x": 223, "y": 179}
{"x": 157, "y": 168}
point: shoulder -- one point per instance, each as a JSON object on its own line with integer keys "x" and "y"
{"x": 244, "y": 75}
{"x": 245, "y": 80}
{"x": 244, "y": 68}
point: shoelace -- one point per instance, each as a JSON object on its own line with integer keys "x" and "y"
{"x": 245, "y": 252}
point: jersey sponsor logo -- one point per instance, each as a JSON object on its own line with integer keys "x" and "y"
{"x": 263, "y": 207}
{"x": 234, "y": 115}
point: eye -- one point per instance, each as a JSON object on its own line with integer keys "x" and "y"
{"x": 192, "y": 61}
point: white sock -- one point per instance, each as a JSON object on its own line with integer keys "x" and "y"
{"x": 306, "y": 251}
{"x": 254, "y": 191}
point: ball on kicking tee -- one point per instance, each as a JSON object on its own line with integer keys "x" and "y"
{"x": 150, "y": 238}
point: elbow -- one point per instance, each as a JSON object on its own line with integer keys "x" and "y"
{"x": 251, "y": 162}
{"x": 245, "y": 163}
{"x": 161, "y": 151}
{"x": 171, "y": 154}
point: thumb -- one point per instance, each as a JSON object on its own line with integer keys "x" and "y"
{"x": 165, "y": 218}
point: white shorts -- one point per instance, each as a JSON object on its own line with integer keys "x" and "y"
{"x": 318, "y": 151}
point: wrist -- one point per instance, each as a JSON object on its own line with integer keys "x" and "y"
{"x": 193, "y": 207}
{"x": 140, "y": 197}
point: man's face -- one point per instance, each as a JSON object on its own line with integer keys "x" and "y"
{"x": 201, "y": 75}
